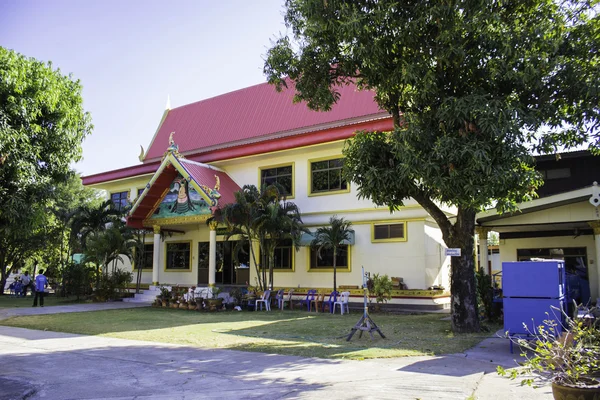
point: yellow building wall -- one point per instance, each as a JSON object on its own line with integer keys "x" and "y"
{"x": 419, "y": 260}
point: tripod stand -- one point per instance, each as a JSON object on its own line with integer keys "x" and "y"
{"x": 365, "y": 324}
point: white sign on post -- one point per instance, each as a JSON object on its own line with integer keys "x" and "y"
{"x": 453, "y": 252}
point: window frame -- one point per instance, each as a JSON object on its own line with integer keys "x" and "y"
{"x": 310, "y": 177}
{"x": 389, "y": 223}
{"x": 133, "y": 266}
{"x": 267, "y": 167}
{"x": 343, "y": 269}
{"x": 121, "y": 206}
{"x": 292, "y": 259}
{"x": 166, "y": 267}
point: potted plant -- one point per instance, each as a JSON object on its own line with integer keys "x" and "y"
{"x": 380, "y": 287}
{"x": 237, "y": 294}
{"x": 213, "y": 303}
{"x": 570, "y": 360}
{"x": 164, "y": 296}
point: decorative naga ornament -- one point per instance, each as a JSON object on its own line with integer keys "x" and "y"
{"x": 173, "y": 148}
{"x": 141, "y": 156}
{"x": 213, "y": 193}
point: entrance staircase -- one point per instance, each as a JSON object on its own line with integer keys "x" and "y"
{"x": 147, "y": 296}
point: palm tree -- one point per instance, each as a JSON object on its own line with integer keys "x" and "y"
{"x": 332, "y": 238}
{"x": 89, "y": 222}
{"x": 240, "y": 219}
{"x": 92, "y": 220}
{"x": 264, "y": 217}
{"x": 279, "y": 220}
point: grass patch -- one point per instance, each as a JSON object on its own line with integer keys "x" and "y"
{"x": 288, "y": 332}
{"x": 7, "y": 301}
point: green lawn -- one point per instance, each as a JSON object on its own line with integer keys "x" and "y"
{"x": 7, "y": 301}
{"x": 288, "y": 332}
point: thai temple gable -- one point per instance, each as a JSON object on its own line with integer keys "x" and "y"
{"x": 181, "y": 191}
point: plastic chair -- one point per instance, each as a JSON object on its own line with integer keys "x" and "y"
{"x": 318, "y": 301}
{"x": 289, "y": 299}
{"x": 265, "y": 298}
{"x": 333, "y": 297}
{"x": 310, "y": 296}
{"x": 279, "y": 298}
{"x": 342, "y": 302}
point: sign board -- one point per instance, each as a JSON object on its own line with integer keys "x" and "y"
{"x": 453, "y": 252}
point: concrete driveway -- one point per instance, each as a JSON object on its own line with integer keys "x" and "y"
{"x": 50, "y": 365}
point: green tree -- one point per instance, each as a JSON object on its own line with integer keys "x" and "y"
{"x": 472, "y": 86}
{"x": 277, "y": 221}
{"x": 263, "y": 217}
{"x": 332, "y": 238}
{"x": 42, "y": 125}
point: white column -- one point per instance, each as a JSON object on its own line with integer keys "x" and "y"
{"x": 156, "y": 255}
{"x": 483, "y": 248}
{"x": 212, "y": 254}
{"x": 596, "y": 226}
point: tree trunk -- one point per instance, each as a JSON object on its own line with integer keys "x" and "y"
{"x": 465, "y": 315}
{"x": 334, "y": 269}
{"x": 271, "y": 266}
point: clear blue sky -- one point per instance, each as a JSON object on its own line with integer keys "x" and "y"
{"x": 131, "y": 54}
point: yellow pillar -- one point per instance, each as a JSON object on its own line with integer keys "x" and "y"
{"x": 212, "y": 253}
{"x": 156, "y": 255}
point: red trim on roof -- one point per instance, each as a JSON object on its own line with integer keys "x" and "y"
{"x": 285, "y": 143}
{"x": 121, "y": 173}
{"x": 154, "y": 194}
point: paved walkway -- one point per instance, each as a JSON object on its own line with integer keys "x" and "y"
{"x": 12, "y": 312}
{"x": 50, "y": 365}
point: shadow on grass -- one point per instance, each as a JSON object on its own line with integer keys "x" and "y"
{"x": 288, "y": 332}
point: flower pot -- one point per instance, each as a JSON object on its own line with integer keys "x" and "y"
{"x": 183, "y": 306}
{"x": 165, "y": 303}
{"x": 213, "y": 304}
{"x": 191, "y": 307}
{"x": 561, "y": 392}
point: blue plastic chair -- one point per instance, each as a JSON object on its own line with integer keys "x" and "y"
{"x": 310, "y": 296}
{"x": 332, "y": 299}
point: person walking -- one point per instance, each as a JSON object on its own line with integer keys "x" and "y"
{"x": 40, "y": 285}
{"x": 26, "y": 281}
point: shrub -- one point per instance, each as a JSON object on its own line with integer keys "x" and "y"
{"x": 380, "y": 287}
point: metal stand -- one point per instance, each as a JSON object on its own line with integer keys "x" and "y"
{"x": 365, "y": 324}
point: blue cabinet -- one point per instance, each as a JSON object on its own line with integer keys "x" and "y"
{"x": 534, "y": 292}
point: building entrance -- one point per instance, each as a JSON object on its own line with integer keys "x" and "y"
{"x": 229, "y": 271}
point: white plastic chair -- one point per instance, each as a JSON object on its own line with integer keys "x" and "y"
{"x": 342, "y": 302}
{"x": 264, "y": 299}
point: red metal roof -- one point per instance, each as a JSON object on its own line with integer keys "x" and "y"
{"x": 204, "y": 175}
{"x": 250, "y": 114}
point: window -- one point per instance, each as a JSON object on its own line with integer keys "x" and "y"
{"x": 389, "y": 232}
{"x": 575, "y": 257}
{"x": 147, "y": 256}
{"x": 557, "y": 173}
{"x": 283, "y": 175}
{"x": 140, "y": 191}
{"x": 178, "y": 256}
{"x": 326, "y": 177}
{"x": 325, "y": 261}
{"x": 284, "y": 254}
{"x": 119, "y": 200}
